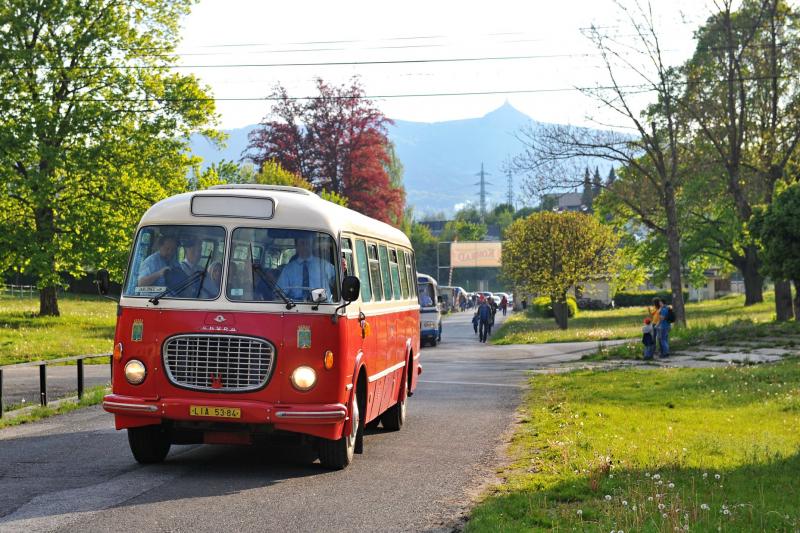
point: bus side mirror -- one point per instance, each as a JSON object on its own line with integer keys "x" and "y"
{"x": 351, "y": 288}
{"x": 102, "y": 281}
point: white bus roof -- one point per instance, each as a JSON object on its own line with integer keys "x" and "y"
{"x": 291, "y": 207}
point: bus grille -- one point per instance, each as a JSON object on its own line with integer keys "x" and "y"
{"x": 218, "y": 362}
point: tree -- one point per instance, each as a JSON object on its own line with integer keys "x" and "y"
{"x": 778, "y": 228}
{"x": 424, "y": 244}
{"x": 461, "y": 230}
{"x": 742, "y": 98}
{"x": 337, "y": 142}
{"x": 93, "y": 130}
{"x": 587, "y": 195}
{"x": 550, "y": 253}
{"x": 653, "y": 157}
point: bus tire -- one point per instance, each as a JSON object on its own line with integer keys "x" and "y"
{"x": 149, "y": 444}
{"x": 337, "y": 454}
{"x": 395, "y": 416}
{"x": 433, "y": 342}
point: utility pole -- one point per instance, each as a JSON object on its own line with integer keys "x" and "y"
{"x": 510, "y": 192}
{"x": 483, "y": 183}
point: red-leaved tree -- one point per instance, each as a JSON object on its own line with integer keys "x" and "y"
{"x": 337, "y": 142}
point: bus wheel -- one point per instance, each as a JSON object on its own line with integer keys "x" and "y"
{"x": 433, "y": 342}
{"x": 149, "y": 444}
{"x": 395, "y": 416}
{"x": 337, "y": 454}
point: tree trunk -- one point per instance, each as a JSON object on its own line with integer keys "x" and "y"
{"x": 796, "y": 300}
{"x": 674, "y": 255}
{"x": 753, "y": 280}
{"x": 783, "y": 300}
{"x": 48, "y": 302}
{"x": 561, "y": 312}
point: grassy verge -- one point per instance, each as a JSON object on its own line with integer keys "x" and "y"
{"x": 654, "y": 450}
{"x": 626, "y": 322}
{"x": 91, "y": 396}
{"x": 86, "y": 326}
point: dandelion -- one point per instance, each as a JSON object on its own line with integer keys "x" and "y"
{"x": 647, "y": 474}
{"x": 661, "y": 506}
{"x": 705, "y": 475}
{"x": 649, "y": 498}
{"x": 624, "y": 503}
{"x": 663, "y": 515}
{"x": 659, "y": 482}
{"x": 716, "y": 476}
{"x": 633, "y": 508}
{"x": 608, "y": 497}
{"x": 726, "y": 512}
{"x": 704, "y": 506}
{"x": 671, "y": 485}
{"x": 656, "y": 476}
{"x": 580, "y": 512}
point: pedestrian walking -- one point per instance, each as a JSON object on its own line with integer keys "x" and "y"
{"x": 663, "y": 317}
{"x": 484, "y": 318}
{"x": 504, "y": 305}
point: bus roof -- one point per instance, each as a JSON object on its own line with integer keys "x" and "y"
{"x": 291, "y": 207}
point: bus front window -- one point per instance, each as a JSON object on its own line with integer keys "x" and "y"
{"x": 271, "y": 265}
{"x": 178, "y": 261}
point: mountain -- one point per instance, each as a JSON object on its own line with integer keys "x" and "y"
{"x": 441, "y": 159}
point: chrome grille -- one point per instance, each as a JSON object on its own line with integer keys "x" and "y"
{"x": 218, "y": 362}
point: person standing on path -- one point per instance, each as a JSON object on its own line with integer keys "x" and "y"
{"x": 484, "y": 319}
{"x": 504, "y": 305}
{"x": 661, "y": 324}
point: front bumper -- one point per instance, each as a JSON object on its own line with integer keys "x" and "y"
{"x": 324, "y": 420}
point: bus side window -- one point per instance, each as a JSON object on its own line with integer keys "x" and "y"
{"x": 347, "y": 256}
{"x": 375, "y": 271}
{"x": 410, "y": 269}
{"x": 395, "y": 271}
{"x": 387, "y": 281}
{"x": 401, "y": 259}
{"x": 363, "y": 270}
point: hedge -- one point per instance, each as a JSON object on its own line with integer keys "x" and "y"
{"x": 643, "y": 298}
{"x": 542, "y": 306}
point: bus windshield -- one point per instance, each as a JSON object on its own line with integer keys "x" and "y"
{"x": 275, "y": 265}
{"x": 177, "y": 262}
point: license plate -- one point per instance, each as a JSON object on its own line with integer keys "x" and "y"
{"x": 216, "y": 412}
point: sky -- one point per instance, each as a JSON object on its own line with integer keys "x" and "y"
{"x": 241, "y": 48}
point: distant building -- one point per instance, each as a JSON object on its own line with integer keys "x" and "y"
{"x": 566, "y": 201}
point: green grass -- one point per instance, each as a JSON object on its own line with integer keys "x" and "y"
{"x": 626, "y": 322}
{"x": 86, "y": 326}
{"x": 91, "y": 396}
{"x": 719, "y": 449}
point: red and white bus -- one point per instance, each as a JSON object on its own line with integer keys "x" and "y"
{"x": 254, "y": 312}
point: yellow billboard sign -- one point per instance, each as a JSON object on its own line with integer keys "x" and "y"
{"x": 475, "y": 254}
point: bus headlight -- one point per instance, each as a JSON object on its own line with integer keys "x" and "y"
{"x": 429, "y": 325}
{"x": 135, "y": 371}
{"x": 304, "y": 378}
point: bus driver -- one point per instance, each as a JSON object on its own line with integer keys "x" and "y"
{"x": 155, "y": 267}
{"x": 306, "y": 272}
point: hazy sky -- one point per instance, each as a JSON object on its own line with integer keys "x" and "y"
{"x": 234, "y": 46}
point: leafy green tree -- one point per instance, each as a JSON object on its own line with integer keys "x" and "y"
{"x": 425, "y": 245}
{"x": 272, "y": 173}
{"x": 778, "y": 228}
{"x": 94, "y": 125}
{"x": 461, "y": 230}
{"x": 550, "y": 253}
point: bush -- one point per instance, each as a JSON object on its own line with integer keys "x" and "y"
{"x": 643, "y": 298}
{"x": 542, "y": 306}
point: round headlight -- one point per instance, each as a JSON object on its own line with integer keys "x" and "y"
{"x": 135, "y": 371}
{"x": 304, "y": 378}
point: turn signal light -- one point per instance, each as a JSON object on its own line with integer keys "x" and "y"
{"x": 118, "y": 352}
{"x": 328, "y": 360}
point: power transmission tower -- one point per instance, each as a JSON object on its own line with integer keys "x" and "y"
{"x": 483, "y": 183}
{"x": 510, "y": 192}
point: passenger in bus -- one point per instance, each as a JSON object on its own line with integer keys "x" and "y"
{"x": 155, "y": 267}
{"x": 425, "y": 299}
{"x": 306, "y": 272}
{"x": 192, "y": 263}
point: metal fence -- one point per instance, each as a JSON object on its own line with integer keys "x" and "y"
{"x": 19, "y": 291}
{"x": 43, "y": 374}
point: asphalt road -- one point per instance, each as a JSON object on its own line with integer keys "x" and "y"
{"x": 76, "y": 472}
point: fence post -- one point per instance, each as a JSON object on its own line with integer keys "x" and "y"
{"x": 1, "y": 393}
{"x": 43, "y": 384}
{"x": 80, "y": 378}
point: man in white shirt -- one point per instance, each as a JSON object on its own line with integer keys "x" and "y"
{"x": 306, "y": 272}
{"x": 155, "y": 267}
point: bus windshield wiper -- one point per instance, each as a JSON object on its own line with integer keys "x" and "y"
{"x": 274, "y": 286}
{"x": 178, "y": 288}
